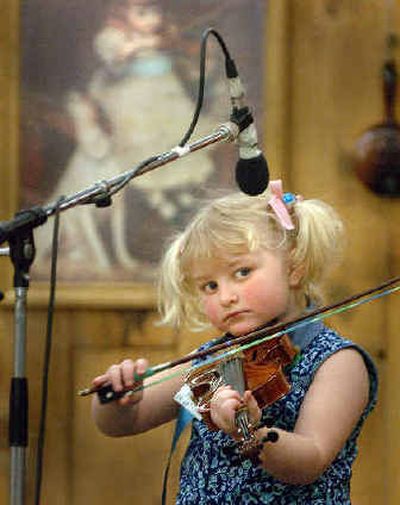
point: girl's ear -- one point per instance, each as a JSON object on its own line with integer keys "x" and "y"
{"x": 296, "y": 276}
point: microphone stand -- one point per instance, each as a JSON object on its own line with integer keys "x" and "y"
{"x": 22, "y": 253}
{"x": 18, "y": 232}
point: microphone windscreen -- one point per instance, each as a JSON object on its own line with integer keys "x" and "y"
{"x": 252, "y": 175}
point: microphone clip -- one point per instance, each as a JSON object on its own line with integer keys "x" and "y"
{"x": 242, "y": 117}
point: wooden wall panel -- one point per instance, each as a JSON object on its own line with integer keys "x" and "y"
{"x": 109, "y": 470}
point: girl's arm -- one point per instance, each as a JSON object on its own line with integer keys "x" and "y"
{"x": 139, "y": 412}
{"x": 330, "y": 411}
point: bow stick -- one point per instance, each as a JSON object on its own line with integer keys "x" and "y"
{"x": 257, "y": 336}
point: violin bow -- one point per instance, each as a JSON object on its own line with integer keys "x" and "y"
{"x": 256, "y": 337}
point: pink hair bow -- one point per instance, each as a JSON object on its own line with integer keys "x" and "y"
{"x": 278, "y": 205}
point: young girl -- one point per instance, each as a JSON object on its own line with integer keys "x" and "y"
{"x": 244, "y": 262}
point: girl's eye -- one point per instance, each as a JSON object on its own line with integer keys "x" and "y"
{"x": 242, "y": 272}
{"x": 209, "y": 287}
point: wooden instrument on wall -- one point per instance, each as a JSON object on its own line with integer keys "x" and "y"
{"x": 377, "y": 154}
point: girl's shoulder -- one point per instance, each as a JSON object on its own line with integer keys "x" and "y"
{"x": 324, "y": 344}
{"x": 327, "y": 341}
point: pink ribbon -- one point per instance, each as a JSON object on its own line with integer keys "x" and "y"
{"x": 278, "y": 206}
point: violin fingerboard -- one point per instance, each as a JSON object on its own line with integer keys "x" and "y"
{"x": 232, "y": 373}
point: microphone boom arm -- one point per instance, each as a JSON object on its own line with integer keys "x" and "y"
{"x": 227, "y": 132}
{"x": 100, "y": 192}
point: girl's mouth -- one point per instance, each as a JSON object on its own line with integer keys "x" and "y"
{"x": 234, "y": 315}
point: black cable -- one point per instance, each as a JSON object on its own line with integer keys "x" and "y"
{"x": 200, "y": 93}
{"x": 47, "y": 355}
{"x": 135, "y": 172}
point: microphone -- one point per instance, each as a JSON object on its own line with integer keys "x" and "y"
{"x": 251, "y": 173}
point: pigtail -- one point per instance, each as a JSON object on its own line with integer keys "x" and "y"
{"x": 169, "y": 286}
{"x": 178, "y": 304}
{"x": 318, "y": 244}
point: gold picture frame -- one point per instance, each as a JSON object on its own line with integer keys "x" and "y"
{"x": 115, "y": 93}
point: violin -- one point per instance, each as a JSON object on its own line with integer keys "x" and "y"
{"x": 260, "y": 369}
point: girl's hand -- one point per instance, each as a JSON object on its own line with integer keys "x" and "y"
{"x": 121, "y": 376}
{"x": 224, "y": 405}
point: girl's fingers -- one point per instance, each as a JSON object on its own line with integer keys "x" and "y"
{"x": 252, "y": 405}
{"x": 100, "y": 380}
{"x": 127, "y": 370}
{"x": 115, "y": 376}
{"x": 132, "y": 370}
{"x": 122, "y": 375}
{"x": 141, "y": 366}
{"x": 224, "y": 404}
{"x": 225, "y": 392}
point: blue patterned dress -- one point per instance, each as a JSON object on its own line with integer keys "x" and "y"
{"x": 208, "y": 475}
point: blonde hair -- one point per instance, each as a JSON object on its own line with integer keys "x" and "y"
{"x": 238, "y": 224}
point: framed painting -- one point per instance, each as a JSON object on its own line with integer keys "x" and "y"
{"x": 104, "y": 85}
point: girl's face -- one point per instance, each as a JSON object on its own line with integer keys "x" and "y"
{"x": 241, "y": 292}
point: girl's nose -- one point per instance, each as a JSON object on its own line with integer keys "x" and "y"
{"x": 227, "y": 295}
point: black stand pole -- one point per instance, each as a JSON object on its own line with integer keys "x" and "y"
{"x": 22, "y": 252}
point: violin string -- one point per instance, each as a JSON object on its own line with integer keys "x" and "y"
{"x": 235, "y": 350}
